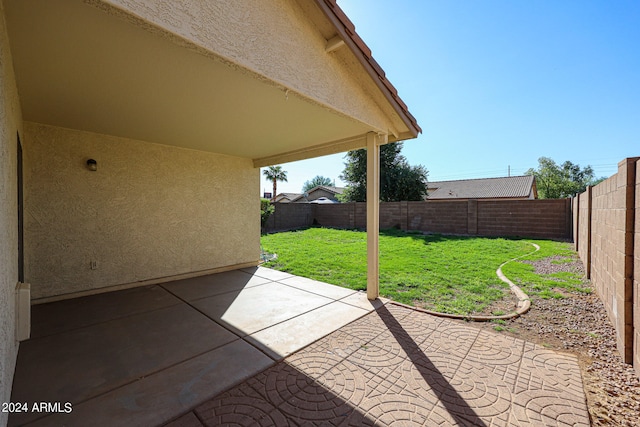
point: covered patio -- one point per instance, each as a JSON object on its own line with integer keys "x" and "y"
{"x": 261, "y": 347}
{"x": 132, "y": 135}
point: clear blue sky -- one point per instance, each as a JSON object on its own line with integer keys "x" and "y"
{"x": 499, "y": 83}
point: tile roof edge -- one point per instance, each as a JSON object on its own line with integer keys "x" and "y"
{"x": 345, "y": 27}
{"x": 479, "y": 179}
{"x": 328, "y": 188}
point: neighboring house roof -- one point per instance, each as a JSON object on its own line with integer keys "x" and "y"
{"x": 334, "y": 191}
{"x": 286, "y": 197}
{"x": 514, "y": 187}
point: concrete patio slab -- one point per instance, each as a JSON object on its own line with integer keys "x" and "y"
{"x": 359, "y": 299}
{"x": 253, "y": 309}
{"x": 143, "y": 356}
{"x": 52, "y": 318}
{"x": 287, "y": 337}
{"x": 84, "y": 363}
{"x": 213, "y": 284}
{"x": 319, "y": 288}
{"x": 267, "y": 273}
{"x": 153, "y": 400}
{"x": 332, "y": 361}
{"x": 187, "y": 420}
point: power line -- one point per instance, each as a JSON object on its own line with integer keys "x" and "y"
{"x": 483, "y": 173}
{"x": 600, "y": 169}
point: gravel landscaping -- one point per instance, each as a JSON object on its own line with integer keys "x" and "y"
{"x": 578, "y": 324}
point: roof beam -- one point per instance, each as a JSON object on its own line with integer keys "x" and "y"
{"x": 334, "y": 43}
{"x": 339, "y": 146}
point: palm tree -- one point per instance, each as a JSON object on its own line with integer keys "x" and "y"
{"x": 275, "y": 174}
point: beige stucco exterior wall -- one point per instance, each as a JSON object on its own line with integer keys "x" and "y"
{"x": 274, "y": 39}
{"x": 149, "y": 211}
{"x": 10, "y": 119}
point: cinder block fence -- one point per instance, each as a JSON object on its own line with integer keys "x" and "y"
{"x": 549, "y": 219}
{"x": 606, "y": 224}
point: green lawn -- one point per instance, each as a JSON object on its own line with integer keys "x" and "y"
{"x": 445, "y": 273}
{"x": 553, "y": 285}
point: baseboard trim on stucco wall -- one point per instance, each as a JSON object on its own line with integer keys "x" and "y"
{"x": 148, "y": 282}
{"x": 23, "y": 311}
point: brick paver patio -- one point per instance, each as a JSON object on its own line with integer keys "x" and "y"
{"x": 398, "y": 366}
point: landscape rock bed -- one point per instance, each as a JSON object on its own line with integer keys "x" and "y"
{"x": 579, "y": 324}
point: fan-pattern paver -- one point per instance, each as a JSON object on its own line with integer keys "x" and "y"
{"x": 398, "y": 366}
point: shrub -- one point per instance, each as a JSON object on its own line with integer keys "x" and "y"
{"x": 266, "y": 209}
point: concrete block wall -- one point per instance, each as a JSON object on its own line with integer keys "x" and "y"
{"x": 606, "y": 262}
{"x": 608, "y": 241}
{"x": 393, "y": 215}
{"x": 636, "y": 274}
{"x": 529, "y": 218}
{"x": 289, "y": 216}
{"x": 582, "y": 226}
{"x": 449, "y": 217}
{"x": 342, "y": 215}
{"x": 361, "y": 215}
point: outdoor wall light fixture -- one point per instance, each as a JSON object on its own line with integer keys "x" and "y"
{"x": 92, "y": 165}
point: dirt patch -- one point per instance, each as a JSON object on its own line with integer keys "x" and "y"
{"x": 578, "y": 324}
{"x": 556, "y": 264}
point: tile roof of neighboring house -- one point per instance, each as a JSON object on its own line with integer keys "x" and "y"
{"x": 288, "y": 196}
{"x": 486, "y": 188}
{"x": 347, "y": 31}
{"x": 333, "y": 190}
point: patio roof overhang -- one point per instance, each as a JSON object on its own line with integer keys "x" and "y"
{"x": 80, "y": 65}
{"x": 208, "y": 77}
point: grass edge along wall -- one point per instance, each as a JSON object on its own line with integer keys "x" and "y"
{"x": 548, "y": 219}
{"x": 450, "y": 274}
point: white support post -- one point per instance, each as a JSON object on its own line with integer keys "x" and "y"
{"x": 373, "y": 212}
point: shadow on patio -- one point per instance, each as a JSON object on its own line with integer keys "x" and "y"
{"x": 205, "y": 351}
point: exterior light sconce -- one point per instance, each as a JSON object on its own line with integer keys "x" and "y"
{"x": 92, "y": 165}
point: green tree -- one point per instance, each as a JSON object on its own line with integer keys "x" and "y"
{"x": 398, "y": 180}
{"x": 275, "y": 174}
{"x": 559, "y": 181}
{"x": 318, "y": 180}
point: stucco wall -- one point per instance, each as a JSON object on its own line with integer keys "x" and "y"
{"x": 149, "y": 211}
{"x": 10, "y": 120}
{"x": 276, "y": 39}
